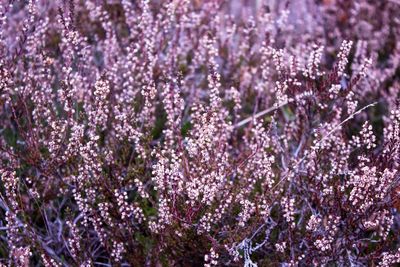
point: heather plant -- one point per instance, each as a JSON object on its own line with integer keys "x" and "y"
{"x": 190, "y": 133}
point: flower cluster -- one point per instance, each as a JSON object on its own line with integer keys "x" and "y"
{"x": 191, "y": 133}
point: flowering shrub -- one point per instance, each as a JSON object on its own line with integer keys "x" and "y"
{"x": 189, "y": 133}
